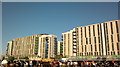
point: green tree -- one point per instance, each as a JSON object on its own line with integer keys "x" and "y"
{"x": 58, "y": 56}
{"x": 10, "y": 58}
{"x": 26, "y": 57}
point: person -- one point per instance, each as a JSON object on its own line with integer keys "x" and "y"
{"x": 31, "y": 64}
{"x": 115, "y": 64}
{"x": 34, "y": 63}
{"x": 60, "y": 64}
{"x": 26, "y": 64}
{"x": 18, "y": 64}
{"x": 4, "y": 63}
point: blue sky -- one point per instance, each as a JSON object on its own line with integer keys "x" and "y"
{"x": 24, "y": 19}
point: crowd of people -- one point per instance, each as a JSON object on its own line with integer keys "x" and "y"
{"x": 34, "y": 63}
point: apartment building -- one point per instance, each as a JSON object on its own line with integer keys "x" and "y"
{"x": 24, "y": 46}
{"x": 47, "y": 46}
{"x": 9, "y": 48}
{"x": 59, "y": 48}
{"x": 93, "y": 40}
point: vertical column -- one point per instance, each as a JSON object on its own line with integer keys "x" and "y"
{"x": 103, "y": 39}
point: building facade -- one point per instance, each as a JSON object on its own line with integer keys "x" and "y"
{"x": 9, "y": 48}
{"x": 93, "y": 40}
{"x": 68, "y": 43}
{"x": 26, "y": 46}
{"x": 59, "y": 48}
{"x": 47, "y": 46}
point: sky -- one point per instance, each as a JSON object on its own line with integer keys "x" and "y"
{"x": 20, "y": 19}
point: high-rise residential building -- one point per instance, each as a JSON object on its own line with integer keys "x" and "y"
{"x": 9, "y": 48}
{"x": 47, "y": 46}
{"x": 28, "y": 46}
{"x": 59, "y": 48}
{"x": 68, "y": 43}
{"x": 101, "y": 39}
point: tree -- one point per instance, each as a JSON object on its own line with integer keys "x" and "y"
{"x": 26, "y": 57}
{"x": 11, "y": 58}
{"x": 58, "y": 56}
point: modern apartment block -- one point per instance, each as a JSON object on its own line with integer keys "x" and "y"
{"x": 24, "y": 46}
{"x": 101, "y": 39}
{"x": 68, "y": 43}
{"x": 47, "y": 46}
{"x": 59, "y": 48}
{"x": 9, "y": 48}
{"x": 28, "y": 46}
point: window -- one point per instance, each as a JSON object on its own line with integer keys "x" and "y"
{"x": 93, "y": 30}
{"x": 95, "y": 47}
{"x": 107, "y": 39}
{"x": 89, "y": 40}
{"x": 100, "y": 53}
{"x": 111, "y": 38}
{"x": 81, "y": 37}
{"x": 118, "y": 37}
{"x": 81, "y": 42}
{"x": 85, "y": 48}
{"x": 114, "y": 52}
{"x": 108, "y": 53}
{"x": 106, "y": 29}
{"x": 91, "y": 47}
{"x": 85, "y": 31}
{"x": 91, "y": 53}
{"x": 112, "y": 47}
{"x": 89, "y": 32}
{"x": 95, "y": 39}
{"x": 95, "y": 53}
{"x": 116, "y": 27}
{"x": 87, "y": 54}
{"x": 99, "y": 39}
{"x": 99, "y": 47}
{"x": 118, "y": 53}
{"x": 111, "y": 28}
{"x": 117, "y": 46}
{"x": 108, "y": 47}
{"x": 111, "y": 53}
{"x": 86, "y": 40}
{"x": 98, "y": 28}
{"x": 82, "y": 48}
